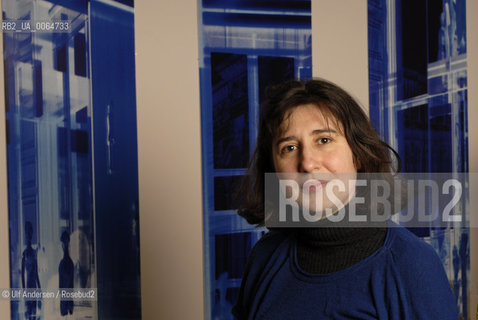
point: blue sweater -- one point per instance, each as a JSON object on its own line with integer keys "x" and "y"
{"x": 404, "y": 279}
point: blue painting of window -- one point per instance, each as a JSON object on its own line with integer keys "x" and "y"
{"x": 418, "y": 104}
{"x": 72, "y": 179}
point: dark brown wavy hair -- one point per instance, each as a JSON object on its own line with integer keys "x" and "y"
{"x": 373, "y": 155}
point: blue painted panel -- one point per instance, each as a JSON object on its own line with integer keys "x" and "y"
{"x": 50, "y": 158}
{"x": 115, "y": 161}
{"x": 418, "y": 104}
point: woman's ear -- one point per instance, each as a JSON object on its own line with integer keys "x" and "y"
{"x": 358, "y": 164}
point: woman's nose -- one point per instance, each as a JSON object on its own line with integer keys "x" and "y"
{"x": 310, "y": 160}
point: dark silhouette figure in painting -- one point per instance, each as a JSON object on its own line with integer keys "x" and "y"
{"x": 65, "y": 272}
{"x": 30, "y": 269}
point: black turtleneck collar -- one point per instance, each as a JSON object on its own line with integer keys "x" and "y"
{"x": 328, "y": 249}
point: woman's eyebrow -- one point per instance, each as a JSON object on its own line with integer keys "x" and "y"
{"x": 313, "y": 133}
{"x": 284, "y": 139}
{"x": 320, "y": 131}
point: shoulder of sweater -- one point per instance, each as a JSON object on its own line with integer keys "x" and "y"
{"x": 270, "y": 241}
{"x": 410, "y": 252}
{"x": 257, "y": 262}
{"x": 420, "y": 273}
{"x": 266, "y": 246}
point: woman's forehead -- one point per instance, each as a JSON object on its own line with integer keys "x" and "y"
{"x": 319, "y": 113}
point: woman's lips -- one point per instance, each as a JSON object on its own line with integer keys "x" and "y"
{"x": 314, "y": 185}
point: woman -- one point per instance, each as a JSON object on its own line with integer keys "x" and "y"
{"x": 325, "y": 272}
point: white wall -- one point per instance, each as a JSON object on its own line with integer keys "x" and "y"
{"x": 4, "y": 260}
{"x": 167, "y": 82}
{"x": 472, "y": 55}
{"x": 339, "y": 45}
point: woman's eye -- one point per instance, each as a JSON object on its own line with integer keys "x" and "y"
{"x": 324, "y": 140}
{"x": 289, "y": 148}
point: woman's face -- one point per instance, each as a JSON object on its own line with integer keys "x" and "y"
{"x": 318, "y": 151}
{"x": 311, "y": 144}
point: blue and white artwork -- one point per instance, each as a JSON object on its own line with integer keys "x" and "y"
{"x": 72, "y": 157}
{"x": 418, "y": 104}
{"x": 244, "y": 47}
